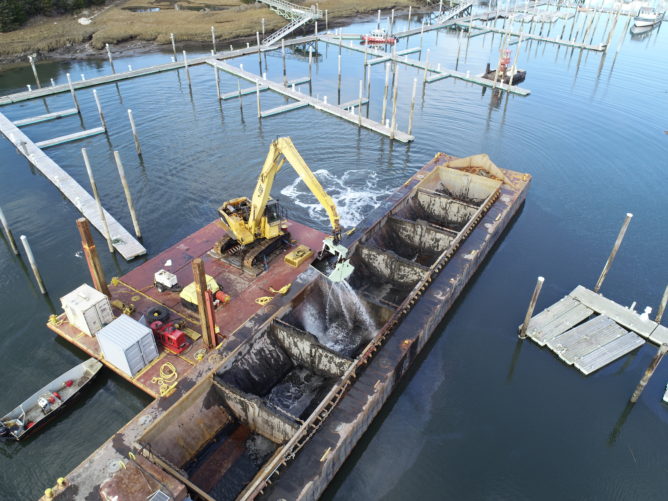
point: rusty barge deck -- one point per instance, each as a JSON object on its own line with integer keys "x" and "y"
{"x": 275, "y": 410}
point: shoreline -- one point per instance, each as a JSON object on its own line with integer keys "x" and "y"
{"x": 85, "y": 50}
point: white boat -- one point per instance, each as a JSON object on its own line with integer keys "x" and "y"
{"x": 648, "y": 16}
{"x": 35, "y": 411}
{"x": 665, "y": 395}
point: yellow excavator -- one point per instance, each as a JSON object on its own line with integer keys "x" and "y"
{"x": 257, "y": 228}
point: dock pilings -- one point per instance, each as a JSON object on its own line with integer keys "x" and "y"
{"x": 128, "y": 195}
{"x": 8, "y": 233}
{"x": 96, "y": 194}
{"x": 662, "y": 306}
{"x": 204, "y": 306}
{"x": 33, "y": 264}
{"x": 649, "y": 372}
{"x": 34, "y": 71}
{"x": 133, "y": 127}
{"x": 111, "y": 60}
{"x": 92, "y": 257}
{"x": 532, "y": 306}
{"x": 613, "y": 253}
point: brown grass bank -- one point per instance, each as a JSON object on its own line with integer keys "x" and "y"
{"x": 147, "y": 22}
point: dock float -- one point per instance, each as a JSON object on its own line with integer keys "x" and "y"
{"x": 589, "y": 331}
{"x": 332, "y": 109}
{"x": 46, "y": 117}
{"x": 70, "y": 137}
{"x": 122, "y": 241}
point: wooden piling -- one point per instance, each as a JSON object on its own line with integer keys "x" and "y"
{"x": 394, "y": 102}
{"x": 53, "y": 83}
{"x": 662, "y": 306}
{"x": 421, "y": 35}
{"x": 34, "y": 71}
{"x": 315, "y": 29}
{"x": 613, "y": 253}
{"x": 111, "y": 59}
{"x": 33, "y": 264}
{"x": 213, "y": 38}
{"x": 387, "y": 82}
{"x": 92, "y": 257}
{"x": 532, "y": 306}
{"x": 171, "y": 37}
{"x": 263, "y": 27}
{"x": 241, "y": 101}
{"x": 326, "y": 21}
{"x": 199, "y": 277}
{"x": 359, "y": 120}
{"x": 74, "y": 96}
{"x": 257, "y": 95}
{"x": 368, "y": 90}
{"x": 392, "y": 22}
{"x": 134, "y": 133}
{"x": 8, "y": 233}
{"x": 410, "y": 115}
{"x": 217, "y": 78}
{"x": 128, "y": 195}
{"x": 648, "y": 372}
{"x": 185, "y": 64}
{"x": 99, "y": 109}
{"x": 310, "y": 62}
{"x": 339, "y": 73}
{"x": 378, "y": 22}
{"x": 285, "y": 73}
{"x": 96, "y": 194}
{"x": 410, "y": 11}
{"x": 426, "y": 66}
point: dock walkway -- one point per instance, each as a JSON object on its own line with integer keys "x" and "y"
{"x": 312, "y": 101}
{"x": 589, "y": 331}
{"x": 122, "y": 241}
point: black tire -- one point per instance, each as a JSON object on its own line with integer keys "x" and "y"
{"x": 157, "y": 313}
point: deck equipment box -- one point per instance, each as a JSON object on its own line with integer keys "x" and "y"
{"x": 128, "y": 345}
{"x": 87, "y": 309}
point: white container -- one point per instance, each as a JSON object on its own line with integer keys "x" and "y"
{"x": 87, "y": 309}
{"x": 128, "y": 345}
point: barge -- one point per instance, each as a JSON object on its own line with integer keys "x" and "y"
{"x": 273, "y": 411}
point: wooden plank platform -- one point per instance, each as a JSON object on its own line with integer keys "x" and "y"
{"x": 252, "y": 90}
{"x": 353, "y": 102}
{"x": 70, "y": 137}
{"x": 608, "y": 353}
{"x": 283, "y": 109}
{"x": 44, "y": 118}
{"x": 556, "y": 319}
{"x": 123, "y": 242}
{"x": 315, "y": 103}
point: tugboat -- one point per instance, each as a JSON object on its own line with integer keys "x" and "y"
{"x": 379, "y": 36}
{"x": 504, "y": 72}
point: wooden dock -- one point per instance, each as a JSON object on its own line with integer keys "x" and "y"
{"x": 332, "y": 109}
{"x": 122, "y": 241}
{"x": 589, "y": 331}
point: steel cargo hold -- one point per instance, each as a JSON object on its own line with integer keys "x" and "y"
{"x": 87, "y": 309}
{"x": 128, "y": 344}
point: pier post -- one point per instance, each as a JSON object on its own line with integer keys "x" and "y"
{"x": 8, "y": 233}
{"x": 326, "y": 21}
{"x": 421, "y": 35}
{"x": 338, "y": 87}
{"x": 96, "y": 194}
{"x": 257, "y": 94}
{"x": 315, "y": 30}
{"x": 213, "y": 38}
{"x": 378, "y": 22}
{"x": 410, "y": 11}
{"x": 310, "y": 62}
{"x": 648, "y": 372}
{"x": 171, "y": 37}
{"x": 662, "y": 306}
{"x": 532, "y": 306}
{"x": 426, "y": 66}
{"x": 387, "y": 82}
{"x": 217, "y": 78}
{"x": 199, "y": 277}
{"x": 34, "y": 71}
{"x": 259, "y": 53}
{"x": 53, "y": 83}
{"x": 134, "y": 133}
{"x": 92, "y": 258}
{"x": 394, "y": 101}
{"x": 359, "y": 116}
{"x": 613, "y": 253}
{"x": 285, "y": 73}
{"x": 392, "y": 22}
{"x": 74, "y": 96}
{"x": 111, "y": 60}
{"x": 99, "y": 109}
{"x": 263, "y": 27}
{"x": 410, "y": 115}
{"x": 33, "y": 264}
{"x": 241, "y": 101}
{"x": 368, "y": 90}
{"x": 185, "y": 63}
{"x": 128, "y": 196}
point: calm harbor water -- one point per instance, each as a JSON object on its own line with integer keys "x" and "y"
{"x": 480, "y": 416}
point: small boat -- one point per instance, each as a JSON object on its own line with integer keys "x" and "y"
{"x": 35, "y": 411}
{"x": 647, "y": 16}
{"x": 504, "y": 73}
{"x": 379, "y": 36}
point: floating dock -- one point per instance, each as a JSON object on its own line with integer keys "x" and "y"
{"x": 274, "y": 410}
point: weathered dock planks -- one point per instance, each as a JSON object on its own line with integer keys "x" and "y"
{"x": 123, "y": 242}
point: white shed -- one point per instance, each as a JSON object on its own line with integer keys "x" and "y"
{"x": 128, "y": 344}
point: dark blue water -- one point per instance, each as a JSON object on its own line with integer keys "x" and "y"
{"x": 479, "y": 417}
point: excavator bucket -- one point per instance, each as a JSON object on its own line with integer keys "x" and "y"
{"x": 333, "y": 262}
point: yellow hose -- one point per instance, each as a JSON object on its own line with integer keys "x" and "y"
{"x": 167, "y": 379}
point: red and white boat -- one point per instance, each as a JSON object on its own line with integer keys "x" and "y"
{"x": 379, "y": 36}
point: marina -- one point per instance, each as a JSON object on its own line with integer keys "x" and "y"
{"x": 408, "y": 388}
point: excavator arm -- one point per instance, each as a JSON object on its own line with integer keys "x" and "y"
{"x": 280, "y": 151}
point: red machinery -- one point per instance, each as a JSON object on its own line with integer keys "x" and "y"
{"x": 173, "y": 339}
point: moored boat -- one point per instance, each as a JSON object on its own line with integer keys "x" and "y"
{"x": 379, "y": 36}
{"x": 648, "y": 16}
{"x": 36, "y": 410}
